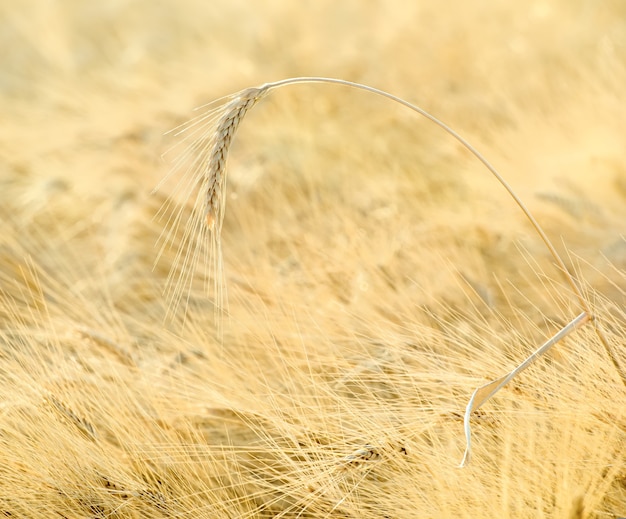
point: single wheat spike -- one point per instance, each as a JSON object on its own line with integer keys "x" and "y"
{"x": 206, "y": 140}
{"x": 227, "y": 125}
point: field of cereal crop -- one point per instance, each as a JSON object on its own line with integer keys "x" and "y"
{"x": 372, "y": 275}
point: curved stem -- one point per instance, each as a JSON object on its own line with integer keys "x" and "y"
{"x": 484, "y": 393}
{"x": 555, "y": 255}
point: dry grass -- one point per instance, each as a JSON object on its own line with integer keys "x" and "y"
{"x": 376, "y": 274}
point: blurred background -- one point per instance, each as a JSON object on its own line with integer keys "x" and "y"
{"x": 376, "y": 272}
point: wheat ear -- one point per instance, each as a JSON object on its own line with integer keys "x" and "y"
{"x": 227, "y": 125}
{"x": 196, "y": 236}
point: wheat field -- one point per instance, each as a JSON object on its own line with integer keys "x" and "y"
{"x": 372, "y": 274}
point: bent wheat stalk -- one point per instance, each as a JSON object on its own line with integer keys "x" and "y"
{"x": 210, "y": 172}
{"x": 484, "y": 393}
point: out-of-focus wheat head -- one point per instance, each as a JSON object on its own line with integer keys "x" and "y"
{"x": 194, "y": 226}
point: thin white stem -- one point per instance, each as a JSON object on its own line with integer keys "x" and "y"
{"x": 484, "y": 393}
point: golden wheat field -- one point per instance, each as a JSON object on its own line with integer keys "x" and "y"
{"x": 373, "y": 273}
